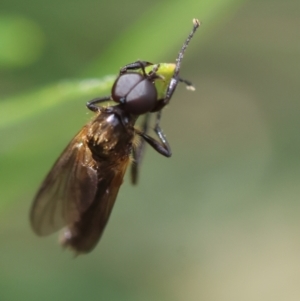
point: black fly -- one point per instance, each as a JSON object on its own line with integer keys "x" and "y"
{"x": 81, "y": 188}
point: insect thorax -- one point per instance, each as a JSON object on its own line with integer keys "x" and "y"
{"x": 109, "y": 137}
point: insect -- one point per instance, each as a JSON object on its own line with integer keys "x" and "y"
{"x": 80, "y": 190}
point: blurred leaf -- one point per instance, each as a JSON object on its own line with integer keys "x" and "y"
{"x": 22, "y": 41}
{"x": 159, "y": 33}
{"x": 17, "y": 109}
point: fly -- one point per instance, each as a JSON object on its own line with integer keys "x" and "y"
{"x": 80, "y": 190}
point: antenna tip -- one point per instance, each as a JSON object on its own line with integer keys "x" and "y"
{"x": 196, "y": 22}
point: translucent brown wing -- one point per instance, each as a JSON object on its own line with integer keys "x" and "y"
{"x": 83, "y": 235}
{"x": 67, "y": 191}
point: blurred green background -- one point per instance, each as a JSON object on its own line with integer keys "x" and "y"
{"x": 217, "y": 221}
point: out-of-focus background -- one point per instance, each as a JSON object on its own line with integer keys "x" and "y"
{"x": 220, "y": 220}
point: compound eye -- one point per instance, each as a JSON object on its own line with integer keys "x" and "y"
{"x": 142, "y": 98}
{"x": 124, "y": 84}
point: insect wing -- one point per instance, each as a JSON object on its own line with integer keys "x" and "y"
{"x": 84, "y": 234}
{"x": 67, "y": 191}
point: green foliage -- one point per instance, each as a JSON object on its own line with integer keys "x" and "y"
{"x": 22, "y": 41}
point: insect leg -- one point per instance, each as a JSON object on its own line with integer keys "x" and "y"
{"x": 189, "y": 85}
{"x": 175, "y": 79}
{"x": 164, "y": 101}
{"x": 135, "y": 65}
{"x": 138, "y": 152}
{"x": 160, "y": 133}
{"x": 161, "y": 146}
{"x": 92, "y": 103}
